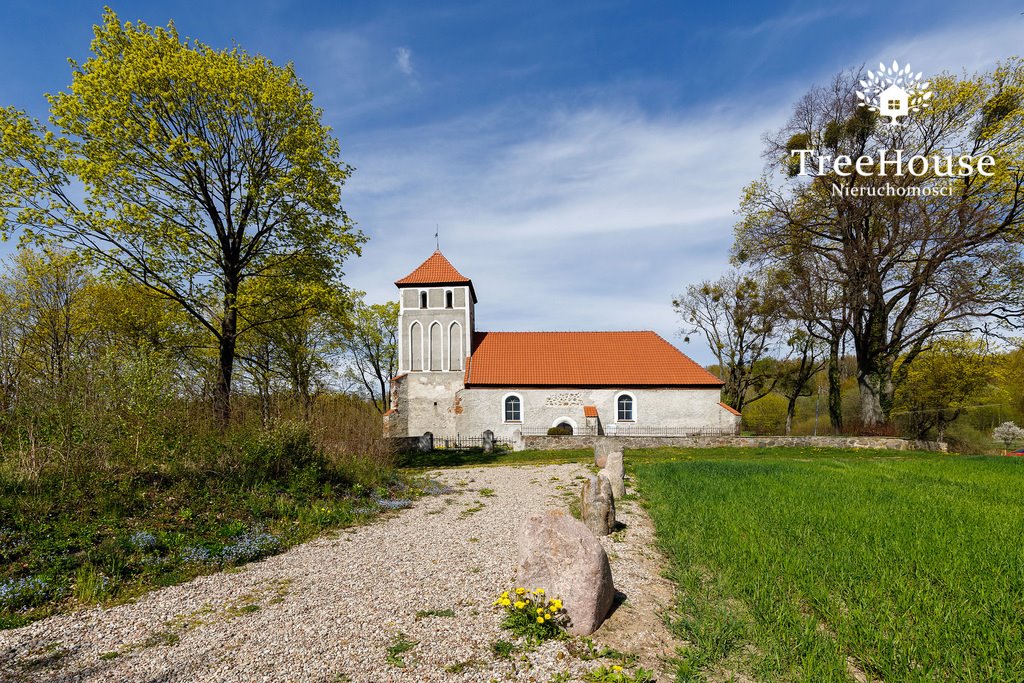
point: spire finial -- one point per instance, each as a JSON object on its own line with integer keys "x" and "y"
{"x": 437, "y": 241}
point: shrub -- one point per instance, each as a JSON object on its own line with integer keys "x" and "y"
{"x": 560, "y": 431}
{"x": 529, "y": 614}
{"x": 28, "y": 591}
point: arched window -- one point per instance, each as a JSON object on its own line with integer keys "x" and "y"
{"x": 513, "y": 409}
{"x": 449, "y": 299}
{"x": 624, "y": 408}
{"x": 423, "y": 299}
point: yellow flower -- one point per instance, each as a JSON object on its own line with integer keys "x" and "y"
{"x": 520, "y": 604}
{"x": 540, "y": 620}
{"x": 540, "y": 591}
{"x": 519, "y": 591}
{"x": 540, "y": 610}
{"x": 556, "y": 604}
{"x": 505, "y": 594}
{"x": 505, "y": 602}
{"x": 616, "y": 668}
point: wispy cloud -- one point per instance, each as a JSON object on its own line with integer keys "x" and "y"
{"x": 403, "y": 60}
{"x": 565, "y": 219}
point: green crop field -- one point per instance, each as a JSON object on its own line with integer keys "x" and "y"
{"x": 836, "y": 566}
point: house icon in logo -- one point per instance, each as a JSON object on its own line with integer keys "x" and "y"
{"x": 893, "y": 102}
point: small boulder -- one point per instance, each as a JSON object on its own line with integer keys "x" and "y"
{"x": 559, "y": 554}
{"x": 616, "y": 482}
{"x": 597, "y": 505}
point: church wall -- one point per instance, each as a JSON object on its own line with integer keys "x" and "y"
{"x": 481, "y": 409}
{"x": 429, "y": 402}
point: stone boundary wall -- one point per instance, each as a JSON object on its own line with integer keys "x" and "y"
{"x": 887, "y": 443}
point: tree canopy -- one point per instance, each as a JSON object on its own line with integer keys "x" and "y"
{"x": 191, "y": 171}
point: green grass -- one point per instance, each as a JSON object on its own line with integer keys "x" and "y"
{"x": 476, "y": 458}
{"x": 108, "y": 535}
{"x": 791, "y": 561}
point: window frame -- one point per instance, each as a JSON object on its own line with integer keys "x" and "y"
{"x": 424, "y": 300}
{"x": 632, "y": 406}
{"x": 505, "y": 412}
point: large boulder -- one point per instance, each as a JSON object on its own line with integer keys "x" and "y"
{"x": 603, "y": 446}
{"x": 616, "y": 482}
{"x": 559, "y": 554}
{"x": 597, "y": 505}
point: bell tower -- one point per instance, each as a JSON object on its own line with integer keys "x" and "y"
{"x": 435, "y": 318}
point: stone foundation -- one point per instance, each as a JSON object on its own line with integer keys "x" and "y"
{"x": 555, "y": 443}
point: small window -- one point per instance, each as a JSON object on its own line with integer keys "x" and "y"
{"x": 423, "y": 299}
{"x": 449, "y": 299}
{"x": 513, "y": 409}
{"x": 895, "y": 104}
{"x": 625, "y": 408}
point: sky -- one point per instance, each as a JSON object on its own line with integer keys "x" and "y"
{"x": 581, "y": 161}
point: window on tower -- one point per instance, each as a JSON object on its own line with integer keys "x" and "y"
{"x": 423, "y": 299}
{"x": 449, "y": 299}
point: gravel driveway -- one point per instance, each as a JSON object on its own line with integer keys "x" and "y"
{"x": 331, "y": 609}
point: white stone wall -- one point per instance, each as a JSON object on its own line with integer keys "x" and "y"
{"x": 428, "y": 401}
{"x": 480, "y": 409}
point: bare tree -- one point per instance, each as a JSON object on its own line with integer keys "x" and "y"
{"x": 909, "y": 268}
{"x": 738, "y": 315}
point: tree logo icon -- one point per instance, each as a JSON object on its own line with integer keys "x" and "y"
{"x": 894, "y": 92}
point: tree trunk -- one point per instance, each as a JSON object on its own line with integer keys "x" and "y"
{"x": 790, "y": 412}
{"x": 228, "y": 340}
{"x": 835, "y": 387}
{"x": 875, "y": 384}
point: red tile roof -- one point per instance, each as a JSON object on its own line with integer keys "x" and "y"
{"x": 589, "y": 411}
{"x": 730, "y": 409}
{"x": 436, "y": 270}
{"x": 616, "y": 359}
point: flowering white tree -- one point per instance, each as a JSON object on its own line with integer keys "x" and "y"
{"x": 1008, "y": 434}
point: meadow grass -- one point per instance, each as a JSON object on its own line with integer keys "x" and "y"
{"x": 830, "y": 565}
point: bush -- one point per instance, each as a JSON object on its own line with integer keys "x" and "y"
{"x": 560, "y": 431}
{"x": 766, "y": 415}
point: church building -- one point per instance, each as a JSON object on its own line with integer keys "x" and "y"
{"x": 454, "y": 380}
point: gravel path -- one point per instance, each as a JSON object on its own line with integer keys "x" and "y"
{"x": 329, "y": 610}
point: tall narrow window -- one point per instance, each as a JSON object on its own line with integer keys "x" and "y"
{"x": 513, "y": 409}
{"x": 423, "y": 299}
{"x": 449, "y": 299}
{"x": 625, "y": 408}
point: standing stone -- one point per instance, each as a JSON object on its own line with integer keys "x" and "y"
{"x": 617, "y": 484}
{"x": 559, "y": 554}
{"x": 603, "y": 446}
{"x": 488, "y": 441}
{"x": 597, "y": 505}
{"x": 615, "y": 465}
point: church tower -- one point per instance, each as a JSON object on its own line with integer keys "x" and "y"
{"x": 435, "y": 318}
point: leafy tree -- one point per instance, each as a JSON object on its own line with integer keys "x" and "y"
{"x": 372, "y": 346}
{"x": 202, "y": 170}
{"x": 739, "y": 316}
{"x": 945, "y": 380}
{"x": 909, "y": 269}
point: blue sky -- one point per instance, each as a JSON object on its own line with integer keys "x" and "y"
{"x": 583, "y": 160}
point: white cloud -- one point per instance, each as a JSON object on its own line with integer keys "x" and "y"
{"x": 585, "y": 219}
{"x": 403, "y": 60}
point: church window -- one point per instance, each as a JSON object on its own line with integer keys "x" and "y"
{"x": 513, "y": 409}
{"x": 624, "y": 408}
{"x": 449, "y": 299}
{"x": 423, "y": 299}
